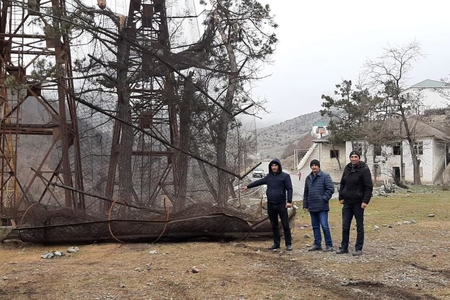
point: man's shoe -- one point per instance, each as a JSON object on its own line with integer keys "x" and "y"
{"x": 328, "y": 249}
{"x": 315, "y": 248}
{"x": 274, "y": 247}
{"x": 289, "y": 247}
{"x": 357, "y": 253}
{"x": 342, "y": 251}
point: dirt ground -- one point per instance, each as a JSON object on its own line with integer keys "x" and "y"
{"x": 406, "y": 256}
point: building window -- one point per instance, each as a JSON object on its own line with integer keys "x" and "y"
{"x": 418, "y": 148}
{"x": 334, "y": 153}
{"x": 377, "y": 150}
{"x": 358, "y": 147}
{"x": 396, "y": 149}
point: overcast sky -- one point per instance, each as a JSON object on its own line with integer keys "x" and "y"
{"x": 323, "y": 42}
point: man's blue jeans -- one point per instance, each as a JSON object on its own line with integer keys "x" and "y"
{"x": 320, "y": 219}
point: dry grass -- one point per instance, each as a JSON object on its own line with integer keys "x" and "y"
{"x": 407, "y": 261}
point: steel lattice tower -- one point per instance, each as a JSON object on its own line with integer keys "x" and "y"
{"x": 22, "y": 45}
{"x": 33, "y": 33}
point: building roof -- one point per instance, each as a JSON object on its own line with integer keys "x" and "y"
{"x": 428, "y": 83}
{"x": 320, "y": 124}
{"x": 420, "y": 130}
{"x": 438, "y": 121}
{"x": 394, "y": 129}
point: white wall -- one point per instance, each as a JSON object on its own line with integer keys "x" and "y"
{"x": 426, "y": 164}
{"x": 438, "y": 157}
{"x": 388, "y": 161}
{"x": 327, "y": 164}
{"x": 432, "y": 161}
{"x": 431, "y": 98}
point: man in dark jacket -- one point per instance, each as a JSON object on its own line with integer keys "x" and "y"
{"x": 318, "y": 191}
{"x": 279, "y": 199}
{"x": 355, "y": 193}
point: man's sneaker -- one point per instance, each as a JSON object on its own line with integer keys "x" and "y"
{"x": 357, "y": 253}
{"x": 342, "y": 251}
{"x": 289, "y": 247}
{"x": 328, "y": 249}
{"x": 274, "y": 247}
{"x": 315, "y": 248}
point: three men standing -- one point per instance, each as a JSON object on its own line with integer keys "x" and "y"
{"x": 355, "y": 193}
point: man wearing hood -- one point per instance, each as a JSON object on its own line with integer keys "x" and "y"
{"x": 279, "y": 199}
{"x": 355, "y": 193}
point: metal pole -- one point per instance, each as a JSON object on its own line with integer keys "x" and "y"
{"x": 295, "y": 158}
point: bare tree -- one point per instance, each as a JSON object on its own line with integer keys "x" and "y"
{"x": 388, "y": 75}
{"x": 242, "y": 44}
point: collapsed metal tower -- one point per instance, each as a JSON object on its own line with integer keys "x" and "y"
{"x": 105, "y": 166}
{"x": 21, "y": 49}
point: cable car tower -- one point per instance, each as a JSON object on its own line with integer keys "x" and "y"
{"x": 39, "y": 109}
{"x": 23, "y": 45}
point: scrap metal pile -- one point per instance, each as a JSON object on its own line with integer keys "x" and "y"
{"x": 200, "y": 221}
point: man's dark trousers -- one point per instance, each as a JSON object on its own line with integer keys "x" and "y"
{"x": 348, "y": 211}
{"x": 279, "y": 209}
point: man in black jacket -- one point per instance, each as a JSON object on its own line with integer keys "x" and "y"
{"x": 279, "y": 199}
{"x": 355, "y": 193}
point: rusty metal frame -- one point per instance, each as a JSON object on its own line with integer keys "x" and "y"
{"x": 19, "y": 50}
{"x": 155, "y": 30}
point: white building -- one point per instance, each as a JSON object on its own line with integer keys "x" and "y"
{"x": 320, "y": 130}
{"x": 432, "y": 94}
{"x": 432, "y": 144}
{"x": 432, "y": 147}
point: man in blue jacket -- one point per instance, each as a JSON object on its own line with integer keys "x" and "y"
{"x": 279, "y": 199}
{"x": 318, "y": 191}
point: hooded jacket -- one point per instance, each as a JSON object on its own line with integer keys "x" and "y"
{"x": 279, "y": 185}
{"x": 318, "y": 191}
{"x": 356, "y": 184}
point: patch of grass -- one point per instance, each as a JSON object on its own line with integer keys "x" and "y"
{"x": 406, "y": 261}
{"x": 410, "y": 206}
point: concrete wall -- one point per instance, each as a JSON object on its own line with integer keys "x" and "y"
{"x": 431, "y": 98}
{"x": 327, "y": 164}
{"x": 432, "y": 161}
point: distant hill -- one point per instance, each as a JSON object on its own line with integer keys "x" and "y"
{"x": 273, "y": 140}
